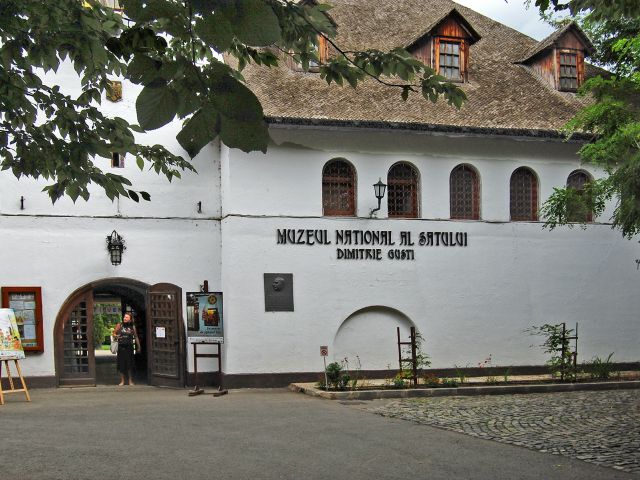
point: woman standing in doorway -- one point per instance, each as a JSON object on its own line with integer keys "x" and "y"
{"x": 126, "y": 334}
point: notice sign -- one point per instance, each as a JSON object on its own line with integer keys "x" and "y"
{"x": 204, "y": 317}
{"x": 161, "y": 332}
{"x": 324, "y": 351}
{"x": 10, "y": 345}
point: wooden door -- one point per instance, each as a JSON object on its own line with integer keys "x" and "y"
{"x": 165, "y": 336}
{"x": 75, "y": 356}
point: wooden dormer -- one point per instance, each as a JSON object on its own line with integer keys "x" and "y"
{"x": 559, "y": 58}
{"x": 445, "y": 46}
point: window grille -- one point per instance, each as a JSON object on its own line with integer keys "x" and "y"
{"x": 464, "y": 191}
{"x": 402, "y": 191}
{"x": 338, "y": 189}
{"x": 577, "y": 211}
{"x": 524, "y": 195}
{"x": 450, "y": 60}
{"x": 568, "y": 71}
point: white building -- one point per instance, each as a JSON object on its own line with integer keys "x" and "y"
{"x": 457, "y": 248}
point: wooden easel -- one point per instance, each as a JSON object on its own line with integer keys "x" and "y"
{"x": 12, "y": 388}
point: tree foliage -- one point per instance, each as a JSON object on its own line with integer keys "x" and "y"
{"x": 172, "y": 49}
{"x": 613, "y": 118}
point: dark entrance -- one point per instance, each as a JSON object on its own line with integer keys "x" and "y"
{"x": 157, "y": 311}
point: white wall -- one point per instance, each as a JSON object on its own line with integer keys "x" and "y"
{"x": 287, "y": 181}
{"x": 467, "y": 302}
{"x": 62, "y": 247}
{"x": 62, "y": 254}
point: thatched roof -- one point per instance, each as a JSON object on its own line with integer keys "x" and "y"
{"x": 504, "y": 96}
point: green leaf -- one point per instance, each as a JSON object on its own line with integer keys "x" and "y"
{"x": 143, "y": 69}
{"x": 156, "y": 106}
{"x": 140, "y": 162}
{"x": 247, "y": 136}
{"x": 133, "y": 195}
{"x": 145, "y": 196}
{"x": 235, "y": 100}
{"x": 199, "y": 130}
{"x": 216, "y": 31}
{"x": 254, "y": 22}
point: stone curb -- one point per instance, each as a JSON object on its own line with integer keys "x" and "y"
{"x": 308, "y": 389}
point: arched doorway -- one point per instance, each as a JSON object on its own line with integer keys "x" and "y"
{"x": 370, "y": 335}
{"x": 157, "y": 311}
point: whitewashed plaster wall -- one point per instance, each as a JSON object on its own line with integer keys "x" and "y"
{"x": 62, "y": 247}
{"x": 168, "y": 199}
{"x": 467, "y": 302}
{"x": 288, "y": 180}
{"x": 62, "y": 254}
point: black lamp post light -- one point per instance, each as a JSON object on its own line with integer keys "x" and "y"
{"x": 379, "y": 190}
{"x": 115, "y": 246}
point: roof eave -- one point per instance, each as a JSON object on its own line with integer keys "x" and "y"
{"x": 425, "y": 127}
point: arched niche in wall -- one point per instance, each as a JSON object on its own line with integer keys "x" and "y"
{"x": 369, "y": 334}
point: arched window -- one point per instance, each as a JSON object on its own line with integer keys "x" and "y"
{"x": 402, "y": 191}
{"x": 464, "y": 193}
{"x": 338, "y": 188}
{"x": 524, "y": 195}
{"x": 577, "y": 210}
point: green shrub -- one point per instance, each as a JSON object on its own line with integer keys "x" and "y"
{"x": 599, "y": 368}
{"x": 336, "y": 377}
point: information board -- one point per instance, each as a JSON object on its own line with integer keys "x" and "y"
{"x": 205, "y": 321}
{"x": 10, "y": 344}
{"x": 26, "y": 302}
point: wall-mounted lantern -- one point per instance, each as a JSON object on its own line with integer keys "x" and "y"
{"x": 379, "y": 190}
{"x": 115, "y": 246}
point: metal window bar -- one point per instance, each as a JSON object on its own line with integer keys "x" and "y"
{"x": 523, "y": 195}
{"x": 464, "y": 197}
{"x": 338, "y": 189}
{"x": 402, "y": 191}
{"x": 576, "y": 181}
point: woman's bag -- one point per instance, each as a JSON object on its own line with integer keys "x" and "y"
{"x": 114, "y": 345}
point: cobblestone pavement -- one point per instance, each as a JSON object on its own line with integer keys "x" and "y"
{"x": 598, "y": 427}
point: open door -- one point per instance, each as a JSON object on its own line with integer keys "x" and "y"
{"x": 75, "y": 360}
{"x": 165, "y": 336}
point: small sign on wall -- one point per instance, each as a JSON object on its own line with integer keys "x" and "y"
{"x": 278, "y": 292}
{"x": 161, "y": 332}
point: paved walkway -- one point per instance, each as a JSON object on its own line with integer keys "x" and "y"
{"x": 144, "y": 433}
{"x": 598, "y": 427}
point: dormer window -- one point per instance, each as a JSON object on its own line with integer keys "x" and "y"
{"x": 568, "y": 71}
{"x": 322, "y": 51}
{"x": 445, "y": 46}
{"x": 450, "y": 60}
{"x": 559, "y": 58}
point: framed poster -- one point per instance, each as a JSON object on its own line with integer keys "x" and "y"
{"x": 10, "y": 346}
{"x": 26, "y": 302}
{"x": 204, "y": 317}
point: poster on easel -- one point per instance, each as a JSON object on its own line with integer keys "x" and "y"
{"x": 204, "y": 317}
{"x": 10, "y": 344}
